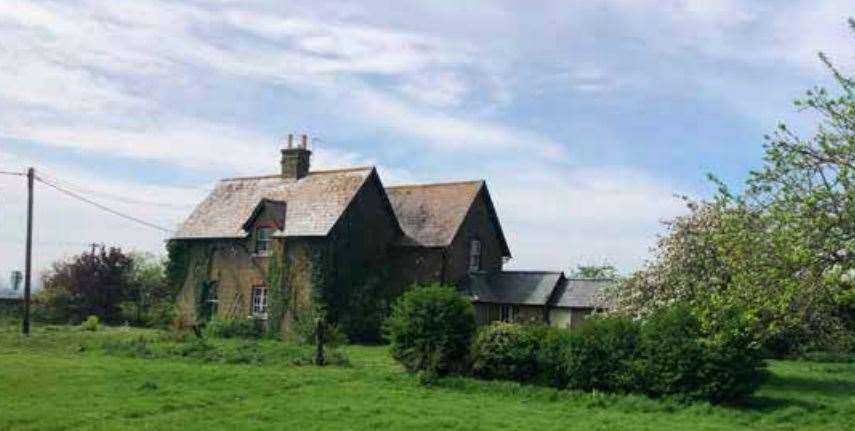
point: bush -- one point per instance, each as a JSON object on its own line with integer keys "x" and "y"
{"x": 304, "y": 328}
{"x": 505, "y": 351}
{"x": 552, "y": 355}
{"x": 234, "y": 328}
{"x": 431, "y": 328}
{"x": 678, "y": 358}
{"x": 90, "y": 324}
{"x": 602, "y": 355}
{"x": 733, "y": 361}
{"x": 161, "y": 315}
{"x": 672, "y": 354}
{"x": 52, "y": 305}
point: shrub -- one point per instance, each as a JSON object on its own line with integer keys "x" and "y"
{"x": 52, "y": 305}
{"x": 602, "y": 355}
{"x": 505, "y": 351}
{"x": 431, "y": 328}
{"x": 90, "y": 324}
{"x": 161, "y": 315}
{"x": 733, "y": 361}
{"x": 679, "y": 358}
{"x": 552, "y": 355}
{"x": 672, "y": 354}
{"x": 304, "y": 328}
{"x": 234, "y": 328}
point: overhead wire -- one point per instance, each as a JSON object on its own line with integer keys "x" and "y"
{"x": 83, "y": 190}
{"x": 100, "y": 206}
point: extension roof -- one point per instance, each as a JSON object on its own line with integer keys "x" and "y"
{"x": 582, "y": 293}
{"x": 431, "y": 214}
{"x": 514, "y": 287}
{"x": 314, "y": 203}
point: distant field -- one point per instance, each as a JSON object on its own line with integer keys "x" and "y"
{"x": 62, "y": 378}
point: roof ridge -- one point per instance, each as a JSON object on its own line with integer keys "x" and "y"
{"x": 450, "y": 183}
{"x": 256, "y": 177}
{"x": 334, "y": 171}
{"x": 321, "y": 172}
{"x": 591, "y": 279}
{"x": 533, "y": 271}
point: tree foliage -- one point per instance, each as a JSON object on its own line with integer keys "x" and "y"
{"x": 107, "y": 283}
{"x": 430, "y": 329}
{"x": 604, "y": 271}
{"x": 781, "y": 250}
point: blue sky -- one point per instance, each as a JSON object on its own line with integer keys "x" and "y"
{"x": 584, "y": 117}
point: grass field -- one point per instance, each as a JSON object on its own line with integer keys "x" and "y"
{"x": 65, "y": 378}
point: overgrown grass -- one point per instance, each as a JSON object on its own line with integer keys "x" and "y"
{"x": 67, "y": 378}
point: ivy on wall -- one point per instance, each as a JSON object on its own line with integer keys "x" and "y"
{"x": 200, "y": 270}
{"x": 178, "y": 264}
{"x": 190, "y": 264}
{"x": 277, "y": 295}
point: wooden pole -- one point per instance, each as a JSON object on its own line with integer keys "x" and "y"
{"x": 28, "y": 260}
{"x": 320, "y": 359}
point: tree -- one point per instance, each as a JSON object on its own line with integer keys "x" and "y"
{"x": 149, "y": 294}
{"x": 781, "y": 250}
{"x": 93, "y": 283}
{"x": 604, "y": 271}
{"x": 115, "y": 286}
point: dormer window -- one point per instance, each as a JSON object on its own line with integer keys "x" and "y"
{"x": 474, "y": 255}
{"x": 262, "y": 240}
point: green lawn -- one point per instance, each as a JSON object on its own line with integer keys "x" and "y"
{"x": 63, "y": 378}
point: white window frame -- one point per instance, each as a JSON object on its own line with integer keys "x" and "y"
{"x": 476, "y": 249}
{"x": 262, "y": 246}
{"x": 258, "y": 302}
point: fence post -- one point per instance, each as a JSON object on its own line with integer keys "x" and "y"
{"x": 320, "y": 360}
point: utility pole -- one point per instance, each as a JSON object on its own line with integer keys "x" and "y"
{"x": 28, "y": 261}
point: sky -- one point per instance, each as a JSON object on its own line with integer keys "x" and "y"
{"x": 586, "y": 118}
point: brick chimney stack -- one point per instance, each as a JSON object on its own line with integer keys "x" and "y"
{"x": 295, "y": 158}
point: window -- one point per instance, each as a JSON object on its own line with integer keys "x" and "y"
{"x": 509, "y": 313}
{"x": 262, "y": 240}
{"x": 474, "y": 255}
{"x": 259, "y": 301}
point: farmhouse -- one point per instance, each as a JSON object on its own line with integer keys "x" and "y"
{"x": 278, "y": 247}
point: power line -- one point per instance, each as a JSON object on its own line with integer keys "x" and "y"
{"x": 102, "y": 207}
{"x": 106, "y": 195}
{"x": 20, "y": 174}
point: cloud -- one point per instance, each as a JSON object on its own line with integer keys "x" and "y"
{"x": 557, "y": 218}
{"x": 64, "y": 226}
{"x": 498, "y": 91}
{"x": 441, "y": 89}
{"x": 79, "y": 105}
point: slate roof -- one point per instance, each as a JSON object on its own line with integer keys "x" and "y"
{"x": 431, "y": 214}
{"x": 581, "y": 293}
{"x": 314, "y": 203}
{"x": 514, "y": 287}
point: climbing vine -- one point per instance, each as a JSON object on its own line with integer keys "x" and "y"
{"x": 178, "y": 264}
{"x": 203, "y": 287}
{"x": 277, "y": 295}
